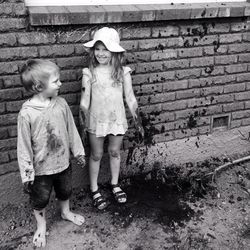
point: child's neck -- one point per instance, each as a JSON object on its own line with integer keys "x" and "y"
{"x": 104, "y": 66}
{"x": 42, "y": 99}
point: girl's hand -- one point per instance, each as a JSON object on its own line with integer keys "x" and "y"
{"x": 80, "y": 160}
{"x": 27, "y": 187}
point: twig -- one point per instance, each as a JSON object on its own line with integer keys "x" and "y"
{"x": 227, "y": 165}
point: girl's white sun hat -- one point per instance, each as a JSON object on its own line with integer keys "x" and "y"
{"x": 109, "y": 37}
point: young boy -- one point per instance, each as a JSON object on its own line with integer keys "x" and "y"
{"x": 46, "y": 134}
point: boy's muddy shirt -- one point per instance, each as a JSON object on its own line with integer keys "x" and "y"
{"x": 45, "y": 138}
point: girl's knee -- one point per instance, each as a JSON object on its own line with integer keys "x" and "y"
{"x": 96, "y": 156}
{"x": 114, "y": 153}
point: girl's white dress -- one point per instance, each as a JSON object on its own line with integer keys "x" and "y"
{"x": 106, "y": 114}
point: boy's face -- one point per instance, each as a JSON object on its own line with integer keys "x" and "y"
{"x": 102, "y": 55}
{"x": 53, "y": 85}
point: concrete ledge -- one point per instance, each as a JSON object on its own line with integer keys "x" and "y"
{"x": 91, "y": 14}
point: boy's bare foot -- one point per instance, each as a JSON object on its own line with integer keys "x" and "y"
{"x": 75, "y": 218}
{"x": 39, "y": 238}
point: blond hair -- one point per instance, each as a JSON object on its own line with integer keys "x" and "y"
{"x": 35, "y": 74}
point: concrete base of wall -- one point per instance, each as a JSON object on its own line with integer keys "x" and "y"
{"x": 226, "y": 143}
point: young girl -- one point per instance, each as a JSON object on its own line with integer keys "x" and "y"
{"x": 103, "y": 85}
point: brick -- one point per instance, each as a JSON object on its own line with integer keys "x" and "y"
{"x": 241, "y": 114}
{"x": 148, "y": 67}
{"x": 196, "y": 29}
{"x": 162, "y": 97}
{"x": 9, "y": 24}
{"x": 130, "y": 45}
{"x": 233, "y": 106}
{"x": 239, "y": 26}
{"x": 198, "y": 102}
{"x": 70, "y": 87}
{"x": 8, "y": 144}
{"x": 162, "y": 127}
{"x": 8, "y": 68}
{"x": 71, "y": 98}
{"x": 247, "y": 85}
{"x": 183, "y": 114}
{"x": 213, "y": 70}
{"x": 12, "y": 81}
{"x": 8, "y": 39}
{"x": 223, "y": 79}
{"x": 236, "y": 87}
{"x": 226, "y": 98}
{"x": 228, "y": 59}
{"x": 244, "y": 57}
{"x": 238, "y": 48}
{"x": 206, "y": 40}
{"x": 180, "y": 134}
{"x": 133, "y": 33}
{"x": 18, "y": 53}
{"x": 219, "y": 28}
{"x": 136, "y": 57}
{"x": 214, "y": 109}
{"x": 230, "y": 38}
{"x": 161, "y": 76}
{"x": 235, "y": 124}
{"x": 13, "y": 155}
{"x": 8, "y": 167}
{"x": 151, "y": 108}
{"x": 246, "y": 37}
{"x": 176, "y": 64}
{"x": 71, "y": 62}
{"x": 4, "y": 157}
{"x": 10, "y": 94}
{"x": 12, "y": 131}
{"x": 56, "y": 50}
{"x": 176, "y": 105}
{"x": 245, "y": 122}
{"x": 36, "y": 38}
{"x": 14, "y": 106}
{"x": 243, "y": 77}
{"x": 9, "y": 119}
{"x": 242, "y": 96}
{"x": 204, "y": 130}
{"x": 165, "y": 117}
{"x": 190, "y": 52}
{"x": 68, "y": 75}
{"x": 80, "y": 50}
{"x": 213, "y": 90}
{"x": 155, "y": 44}
{"x": 216, "y": 49}
{"x": 188, "y": 73}
{"x": 201, "y": 82}
{"x": 147, "y": 89}
{"x": 3, "y": 133}
{"x": 13, "y": 9}
{"x": 176, "y": 85}
{"x": 184, "y": 94}
{"x": 200, "y": 62}
{"x": 74, "y": 36}
{"x": 166, "y": 31}
{"x": 175, "y": 42}
{"x": 236, "y": 68}
{"x": 164, "y": 54}
{"x": 2, "y": 108}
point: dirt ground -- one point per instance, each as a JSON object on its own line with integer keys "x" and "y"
{"x": 158, "y": 215}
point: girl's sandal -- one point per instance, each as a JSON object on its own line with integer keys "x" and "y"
{"x": 98, "y": 200}
{"x": 119, "y": 195}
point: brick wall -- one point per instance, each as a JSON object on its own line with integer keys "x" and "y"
{"x": 184, "y": 72}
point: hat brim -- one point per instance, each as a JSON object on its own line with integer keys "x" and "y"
{"x": 111, "y": 46}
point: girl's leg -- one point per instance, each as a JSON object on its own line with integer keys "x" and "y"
{"x": 114, "y": 147}
{"x": 39, "y": 239}
{"x": 68, "y": 215}
{"x": 96, "y": 145}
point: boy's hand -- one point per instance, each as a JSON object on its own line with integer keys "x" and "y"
{"x": 27, "y": 187}
{"x": 80, "y": 160}
{"x": 141, "y": 133}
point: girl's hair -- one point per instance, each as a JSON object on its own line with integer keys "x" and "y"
{"x": 116, "y": 63}
{"x": 36, "y": 73}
